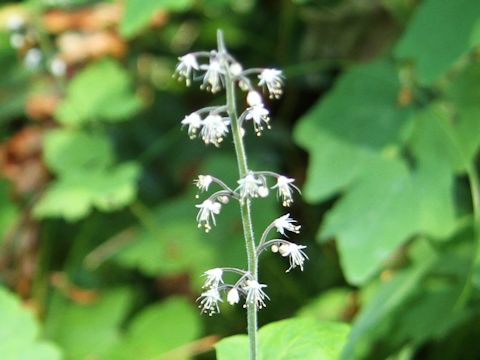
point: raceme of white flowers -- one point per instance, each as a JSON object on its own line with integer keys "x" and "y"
{"x": 212, "y": 125}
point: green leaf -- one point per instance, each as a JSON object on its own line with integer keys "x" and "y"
{"x": 435, "y": 39}
{"x": 91, "y": 330}
{"x": 391, "y": 203}
{"x": 331, "y": 305}
{"x": 19, "y": 333}
{"x": 137, "y": 13}
{"x": 289, "y": 339}
{"x": 372, "y": 219}
{"x": 73, "y": 151}
{"x": 158, "y": 329}
{"x": 101, "y": 91}
{"x": 350, "y": 131}
{"x": 74, "y": 195}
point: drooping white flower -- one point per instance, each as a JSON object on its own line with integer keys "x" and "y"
{"x": 233, "y": 297}
{"x": 263, "y": 191}
{"x": 284, "y": 186}
{"x": 255, "y": 294}
{"x": 185, "y": 67}
{"x": 203, "y": 182}
{"x": 272, "y": 79}
{"x": 209, "y": 301}
{"x": 33, "y": 58}
{"x": 295, "y": 253}
{"x": 285, "y": 222}
{"x": 249, "y": 186}
{"x": 259, "y": 115}
{"x": 214, "y": 278}
{"x": 254, "y": 98}
{"x": 207, "y": 212}
{"x": 212, "y": 80}
{"x": 194, "y": 122}
{"x": 214, "y": 129}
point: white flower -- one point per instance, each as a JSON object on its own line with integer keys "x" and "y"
{"x": 58, "y": 67}
{"x": 285, "y": 222}
{"x": 32, "y": 59}
{"x": 203, "y": 182}
{"x": 209, "y": 301}
{"x": 263, "y": 191}
{"x": 214, "y": 129}
{"x": 255, "y": 294}
{"x": 254, "y": 98}
{"x": 214, "y": 277}
{"x": 207, "y": 212}
{"x": 285, "y": 186}
{"x": 249, "y": 186}
{"x": 259, "y": 115}
{"x": 212, "y": 80}
{"x": 233, "y": 297}
{"x": 296, "y": 254}
{"x": 194, "y": 122}
{"x": 273, "y": 80}
{"x": 185, "y": 68}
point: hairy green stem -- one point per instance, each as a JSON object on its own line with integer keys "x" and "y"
{"x": 245, "y": 208}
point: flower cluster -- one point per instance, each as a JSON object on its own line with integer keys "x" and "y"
{"x": 212, "y": 124}
{"x": 217, "y": 70}
{"x": 246, "y": 286}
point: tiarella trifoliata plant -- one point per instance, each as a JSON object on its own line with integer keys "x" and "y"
{"x": 218, "y": 70}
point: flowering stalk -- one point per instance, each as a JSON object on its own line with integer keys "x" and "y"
{"x": 212, "y": 124}
{"x": 245, "y": 209}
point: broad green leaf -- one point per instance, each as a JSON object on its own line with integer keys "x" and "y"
{"x": 138, "y": 13}
{"x": 90, "y": 330}
{"x": 159, "y": 329}
{"x": 75, "y": 194}
{"x": 331, "y": 305}
{"x": 373, "y": 219}
{"x": 352, "y": 129}
{"x": 19, "y": 333}
{"x": 391, "y": 203}
{"x": 8, "y": 210}
{"x": 435, "y": 38}
{"x": 101, "y": 91}
{"x": 290, "y": 339}
{"x": 75, "y": 151}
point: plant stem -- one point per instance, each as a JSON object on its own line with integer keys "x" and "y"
{"x": 245, "y": 208}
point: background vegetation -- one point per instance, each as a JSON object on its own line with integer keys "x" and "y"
{"x": 100, "y": 255}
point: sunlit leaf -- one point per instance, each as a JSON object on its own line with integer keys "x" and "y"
{"x": 435, "y": 39}
{"x": 89, "y": 330}
{"x": 295, "y": 338}
{"x": 101, "y": 91}
{"x": 19, "y": 333}
{"x": 138, "y": 13}
{"x": 159, "y": 329}
{"x": 75, "y": 151}
{"x": 74, "y": 195}
{"x": 352, "y": 129}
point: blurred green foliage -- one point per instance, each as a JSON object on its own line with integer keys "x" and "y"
{"x": 100, "y": 254}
